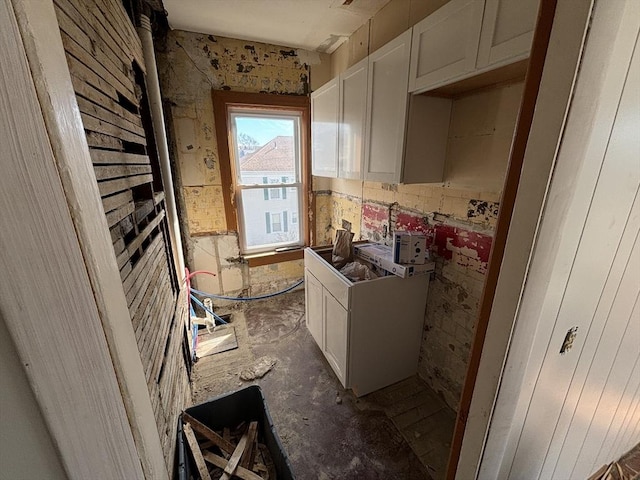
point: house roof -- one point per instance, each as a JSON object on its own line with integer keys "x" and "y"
{"x": 276, "y": 155}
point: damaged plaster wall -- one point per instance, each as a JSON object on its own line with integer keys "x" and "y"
{"x": 190, "y": 66}
{"x": 458, "y": 215}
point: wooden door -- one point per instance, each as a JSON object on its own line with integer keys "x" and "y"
{"x": 387, "y": 110}
{"x": 324, "y": 129}
{"x": 507, "y": 31}
{"x": 445, "y": 44}
{"x": 353, "y": 109}
{"x": 336, "y": 332}
{"x": 313, "y": 306}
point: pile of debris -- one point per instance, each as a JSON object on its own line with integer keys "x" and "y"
{"x": 231, "y": 453}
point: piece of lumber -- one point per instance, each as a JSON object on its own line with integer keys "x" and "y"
{"x": 249, "y": 454}
{"x": 197, "y": 453}
{"x": 117, "y": 201}
{"x": 108, "y": 172}
{"x": 231, "y": 467}
{"x": 107, "y": 187}
{"x": 208, "y": 433}
{"x": 240, "y": 472}
{"x": 101, "y": 157}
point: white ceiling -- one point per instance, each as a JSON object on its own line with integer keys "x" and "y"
{"x": 320, "y": 25}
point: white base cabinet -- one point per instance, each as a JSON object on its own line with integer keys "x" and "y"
{"x": 369, "y": 331}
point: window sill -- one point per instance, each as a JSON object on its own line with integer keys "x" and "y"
{"x": 269, "y": 258}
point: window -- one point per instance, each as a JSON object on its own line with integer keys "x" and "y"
{"x": 267, "y": 145}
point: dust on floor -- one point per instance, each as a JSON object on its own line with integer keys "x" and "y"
{"x": 328, "y": 433}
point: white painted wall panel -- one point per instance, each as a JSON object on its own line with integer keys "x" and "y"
{"x": 578, "y": 410}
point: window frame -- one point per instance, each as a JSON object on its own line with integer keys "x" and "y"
{"x": 223, "y": 102}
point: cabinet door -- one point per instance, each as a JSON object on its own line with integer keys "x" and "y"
{"x": 353, "y": 109}
{"x": 324, "y": 129}
{"x": 335, "y": 336}
{"x": 387, "y": 110}
{"x": 313, "y": 306}
{"x": 507, "y": 31}
{"x": 445, "y": 44}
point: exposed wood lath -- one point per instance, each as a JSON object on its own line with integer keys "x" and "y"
{"x": 105, "y": 59}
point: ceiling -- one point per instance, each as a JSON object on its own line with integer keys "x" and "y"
{"x": 320, "y": 25}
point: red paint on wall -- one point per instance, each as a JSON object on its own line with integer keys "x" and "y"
{"x": 465, "y": 247}
{"x": 449, "y": 239}
{"x": 374, "y": 213}
{"x": 411, "y": 223}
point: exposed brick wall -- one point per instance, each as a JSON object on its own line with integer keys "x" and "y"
{"x": 191, "y": 65}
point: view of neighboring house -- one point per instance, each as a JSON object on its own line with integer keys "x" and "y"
{"x": 271, "y": 214}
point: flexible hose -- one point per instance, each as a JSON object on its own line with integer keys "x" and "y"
{"x": 246, "y": 299}
{"x": 198, "y": 302}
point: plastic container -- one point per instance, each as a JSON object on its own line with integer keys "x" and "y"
{"x": 229, "y": 410}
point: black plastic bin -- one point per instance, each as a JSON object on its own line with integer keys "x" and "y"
{"x": 229, "y": 410}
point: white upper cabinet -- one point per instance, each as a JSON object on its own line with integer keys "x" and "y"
{"x": 353, "y": 112}
{"x": 387, "y": 110}
{"x": 507, "y": 31}
{"x": 324, "y": 129}
{"x": 445, "y": 44}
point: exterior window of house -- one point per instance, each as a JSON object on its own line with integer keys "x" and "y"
{"x": 263, "y": 146}
{"x": 266, "y": 149}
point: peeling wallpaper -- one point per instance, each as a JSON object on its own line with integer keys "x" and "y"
{"x": 190, "y": 66}
{"x": 458, "y": 216}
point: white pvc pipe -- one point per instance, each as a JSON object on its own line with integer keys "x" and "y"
{"x": 157, "y": 119}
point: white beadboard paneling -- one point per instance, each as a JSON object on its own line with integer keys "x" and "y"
{"x": 583, "y": 273}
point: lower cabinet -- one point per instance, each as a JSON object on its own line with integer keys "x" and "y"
{"x": 336, "y": 335}
{"x": 314, "y": 306}
{"x": 369, "y": 331}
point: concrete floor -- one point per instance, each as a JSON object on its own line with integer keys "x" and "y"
{"x": 400, "y": 432}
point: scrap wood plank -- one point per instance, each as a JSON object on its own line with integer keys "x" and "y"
{"x": 87, "y": 22}
{"x": 98, "y": 111}
{"x": 83, "y": 73}
{"x": 197, "y": 453}
{"x": 100, "y": 140}
{"x": 158, "y": 197}
{"x": 99, "y": 64}
{"x": 240, "y": 472}
{"x": 117, "y": 201}
{"x": 162, "y": 336}
{"x": 101, "y": 157}
{"x": 107, "y": 187}
{"x": 108, "y": 172}
{"x": 148, "y": 255}
{"x": 208, "y": 433}
{"x": 150, "y": 340}
{"x": 85, "y": 90}
{"x": 141, "y": 237}
{"x": 120, "y": 22}
{"x": 90, "y": 44}
{"x": 118, "y": 214}
{"x": 249, "y": 454}
{"x": 84, "y": 16}
{"x": 145, "y": 289}
{"x": 231, "y": 467}
{"x": 96, "y": 125}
